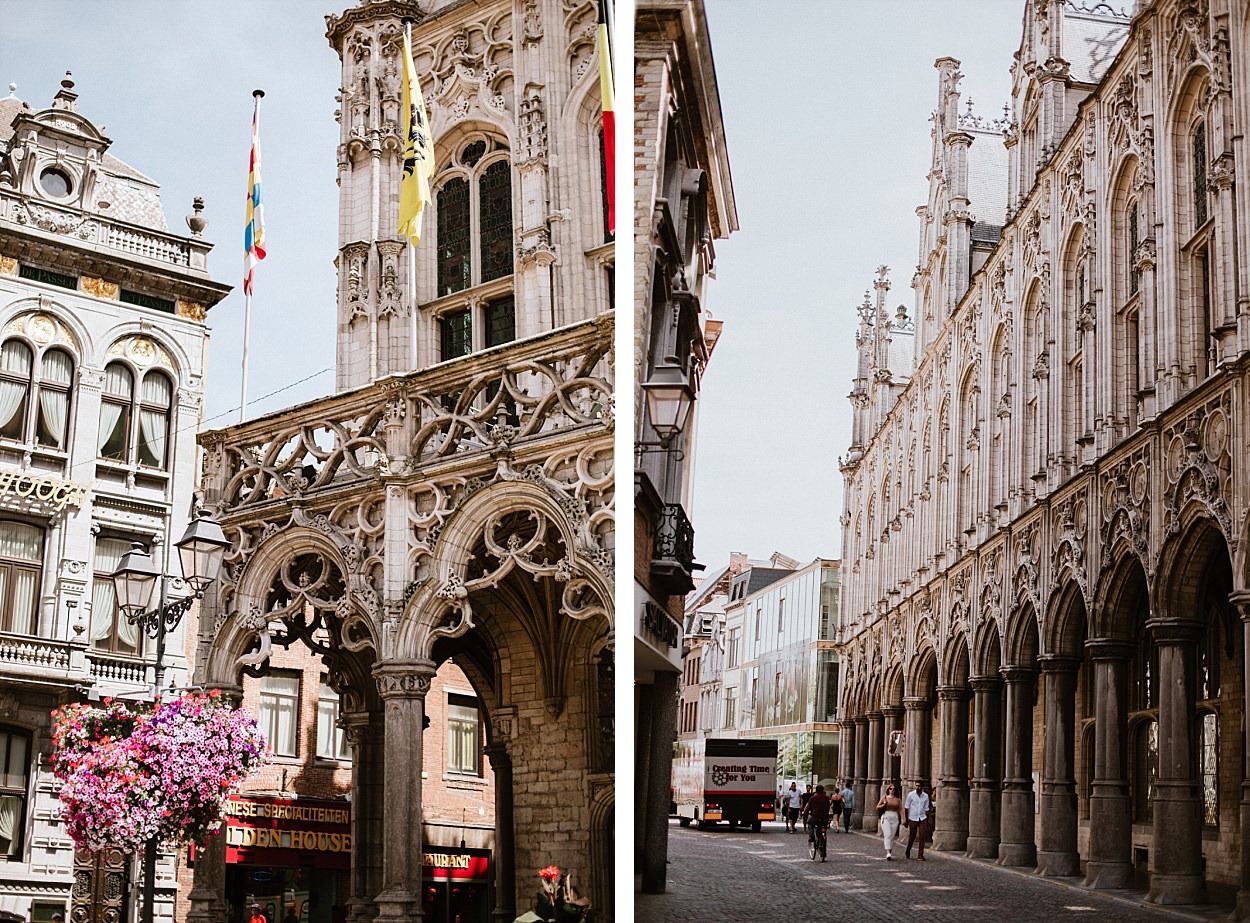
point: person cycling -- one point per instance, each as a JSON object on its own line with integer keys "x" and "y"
{"x": 817, "y": 811}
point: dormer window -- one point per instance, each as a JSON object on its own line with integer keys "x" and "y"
{"x": 55, "y": 183}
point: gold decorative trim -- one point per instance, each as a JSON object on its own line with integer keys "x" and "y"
{"x": 8, "y": 266}
{"x": 99, "y": 288}
{"x": 192, "y": 311}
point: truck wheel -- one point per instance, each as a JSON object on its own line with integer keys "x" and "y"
{"x": 685, "y": 821}
{"x": 757, "y": 827}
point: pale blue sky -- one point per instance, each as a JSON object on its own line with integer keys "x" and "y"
{"x": 171, "y": 81}
{"x": 826, "y": 106}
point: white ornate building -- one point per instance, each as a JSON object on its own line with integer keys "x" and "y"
{"x": 102, "y": 340}
{"x": 1045, "y": 532}
{"x": 456, "y": 498}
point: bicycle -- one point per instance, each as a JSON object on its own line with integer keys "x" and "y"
{"x": 817, "y": 839}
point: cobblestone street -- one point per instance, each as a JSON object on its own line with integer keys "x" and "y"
{"x": 725, "y": 876}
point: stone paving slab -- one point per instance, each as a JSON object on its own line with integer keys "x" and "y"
{"x": 724, "y": 876}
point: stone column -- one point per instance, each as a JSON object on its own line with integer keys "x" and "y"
{"x": 1241, "y": 602}
{"x": 365, "y": 734}
{"x": 846, "y": 758}
{"x": 655, "y": 823}
{"x": 1057, "y": 856}
{"x": 1110, "y": 862}
{"x": 917, "y": 750}
{"x": 951, "y": 832}
{"x": 984, "y": 821}
{"x": 1016, "y": 843}
{"x": 876, "y": 757}
{"x": 505, "y": 835}
{"x": 403, "y": 685}
{"x": 1176, "y": 854}
{"x": 207, "y": 897}
{"x": 891, "y": 768}
{"x": 862, "y": 758}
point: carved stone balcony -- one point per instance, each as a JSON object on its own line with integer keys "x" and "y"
{"x": 672, "y": 558}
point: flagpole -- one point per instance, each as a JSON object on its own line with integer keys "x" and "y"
{"x": 412, "y": 261}
{"x": 247, "y": 298}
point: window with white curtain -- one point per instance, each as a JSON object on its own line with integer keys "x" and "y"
{"x": 110, "y": 630}
{"x": 134, "y": 422}
{"x": 331, "y": 739}
{"x": 14, "y": 775}
{"x": 50, "y": 379}
{"x": 21, "y": 566}
{"x": 464, "y": 730}
{"x": 279, "y": 712}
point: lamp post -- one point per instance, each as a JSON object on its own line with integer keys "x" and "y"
{"x": 200, "y": 551}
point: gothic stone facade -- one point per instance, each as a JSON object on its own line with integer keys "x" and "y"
{"x": 1045, "y": 529}
{"x": 463, "y": 509}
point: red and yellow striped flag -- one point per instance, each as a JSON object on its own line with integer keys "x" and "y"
{"x": 609, "y": 116}
{"x": 254, "y": 231}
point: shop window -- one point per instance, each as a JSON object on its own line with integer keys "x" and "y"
{"x": 15, "y": 752}
{"x": 464, "y": 731}
{"x": 331, "y": 739}
{"x": 279, "y": 712}
{"x": 110, "y": 630}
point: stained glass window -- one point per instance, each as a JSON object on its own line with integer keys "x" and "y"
{"x": 501, "y": 321}
{"x": 1200, "y": 174}
{"x": 495, "y": 208}
{"x": 472, "y": 153}
{"x": 1208, "y": 769}
{"x": 453, "y": 237}
{"x": 1132, "y": 247}
{"x": 457, "y": 335}
{"x": 603, "y": 187}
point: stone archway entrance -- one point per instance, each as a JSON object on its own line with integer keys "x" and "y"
{"x": 392, "y": 529}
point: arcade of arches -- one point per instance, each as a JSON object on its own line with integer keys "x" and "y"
{"x": 1096, "y": 730}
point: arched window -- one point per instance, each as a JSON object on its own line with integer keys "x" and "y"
{"x": 1145, "y": 769}
{"x": 48, "y": 425}
{"x": 21, "y": 569}
{"x": 1208, "y": 766}
{"x": 608, "y": 236}
{"x": 1198, "y": 172}
{"x": 14, "y": 780}
{"x": 134, "y": 424}
{"x": 110, "y": 630}
{"x": 474, "y": 205}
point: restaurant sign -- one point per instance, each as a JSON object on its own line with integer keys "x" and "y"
{"x": 273, "y": 831}
{"x": 449, "y": 864}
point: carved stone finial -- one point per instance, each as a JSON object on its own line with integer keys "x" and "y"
{"x": 197, "y": 222}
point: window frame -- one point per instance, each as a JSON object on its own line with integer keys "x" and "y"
{"x": 473, "y": 169}
{"x": 459, "y": 730}
{"x": 106, "y": 578}
{"x": 268, "y": 713}
{"x": 338, "y": 750}
{"x": 22, "y": 792}
{"x": 133, "y": 410}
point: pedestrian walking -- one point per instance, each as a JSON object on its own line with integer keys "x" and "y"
{"x": 848, "y": 804}
{"x": 794, "y": 803}
{"x": 888, "y": 809}
{"x": 917, "y": 807}
{"x": 835, "y": 805}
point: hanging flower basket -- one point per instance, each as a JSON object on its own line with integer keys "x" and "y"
{"x": 133, "y": 773}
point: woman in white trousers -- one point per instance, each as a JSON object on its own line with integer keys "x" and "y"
{"x": 889, "y": 808}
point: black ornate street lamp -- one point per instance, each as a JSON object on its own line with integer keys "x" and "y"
{"x": 200, "y": 551}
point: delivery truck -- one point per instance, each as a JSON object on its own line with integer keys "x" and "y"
{"x": 725, "y": 779}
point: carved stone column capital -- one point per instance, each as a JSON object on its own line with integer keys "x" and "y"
{"x": 1059, "y": 663}
{"x": 404, "y": 679}
{"x": 954, "y": 693}
{"x": 988, "y": 684}
{"x": 1018, "y": 674}
{"x": 1175, "y": 631}
{"x": 1108, "y": 649}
